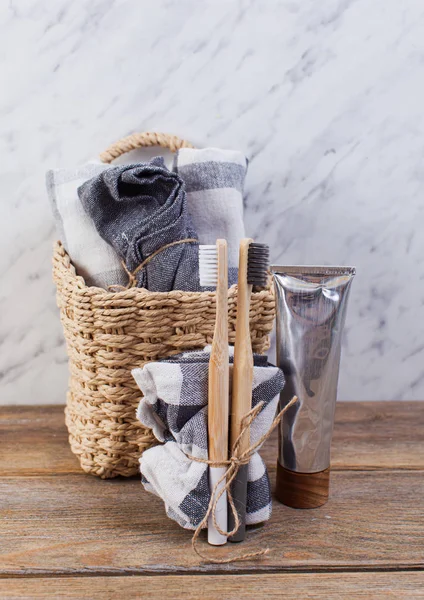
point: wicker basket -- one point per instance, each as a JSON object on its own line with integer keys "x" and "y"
{"x": 110, "y": 333}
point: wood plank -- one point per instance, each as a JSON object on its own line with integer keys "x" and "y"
{"x": 378, "y": 435}
{"x": 77, "y": 523}
{"x": 330, "y": 586}
{"x": 368, "y": 435}
{"x": 34, "y": 441}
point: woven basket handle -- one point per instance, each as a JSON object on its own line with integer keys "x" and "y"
{"x": 143, "y": 140}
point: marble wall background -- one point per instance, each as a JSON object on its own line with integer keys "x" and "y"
{"x": 326, "y": 98}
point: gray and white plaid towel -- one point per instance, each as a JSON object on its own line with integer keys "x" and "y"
{"x": 129, "y": 212}
{"x": 214, "y": 181}
{"x": 93, "y": 258}
{"x": 139, "y": 209}
{"x": 174, "y": 406}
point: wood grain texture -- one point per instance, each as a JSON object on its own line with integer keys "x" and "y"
{"x": 367, "y": 435}
{"x": 302, "y": 490}
{"x": 69, "y": 535}
{"x": 34, "y": 441}
{"x": 78, "y": 523}
{"x": 378, "y": 435}
{"x": 369, "y": 586}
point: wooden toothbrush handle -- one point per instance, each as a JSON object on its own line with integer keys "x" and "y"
{"x": 241, "y": 401}
{"x": 218, "y": 386}
{"x": 218, "y": 397}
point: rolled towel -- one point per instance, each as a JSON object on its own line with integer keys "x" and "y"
{"x": 174, "y": 406}
{"x": 139, "y": 209}
{"x": 93, "y": 258}
{"x": 214, "y": 181}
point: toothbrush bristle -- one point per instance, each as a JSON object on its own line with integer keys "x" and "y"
{"x": 257, "y": 264}
{"x": 208, "y": 266}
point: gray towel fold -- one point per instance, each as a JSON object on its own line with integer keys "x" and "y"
{"x": 139, "y": 209}
{"x": 174, "y": 406}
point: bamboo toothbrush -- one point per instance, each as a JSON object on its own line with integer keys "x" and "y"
{"x": 253, "y": 267}
{"x": 213, "y": 267}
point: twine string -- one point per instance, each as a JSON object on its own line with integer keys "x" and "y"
{"x": 233, "y": 465}
{"x": 132, "y": 275}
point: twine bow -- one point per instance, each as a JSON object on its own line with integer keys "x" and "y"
{"x": 237, "y": 459}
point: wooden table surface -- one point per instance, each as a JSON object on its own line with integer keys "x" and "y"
{"x": 64, "y": 534}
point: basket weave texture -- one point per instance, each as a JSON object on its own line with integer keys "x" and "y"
{"x": 110, "y": 333}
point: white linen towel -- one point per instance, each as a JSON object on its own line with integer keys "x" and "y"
{"x": 94, "y": 259}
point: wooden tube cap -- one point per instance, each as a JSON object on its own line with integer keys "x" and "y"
{"x": 302, "y": 490}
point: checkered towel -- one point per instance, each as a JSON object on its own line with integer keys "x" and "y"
{"x": 214, "y": 181}
{"x": 174, "y": 406}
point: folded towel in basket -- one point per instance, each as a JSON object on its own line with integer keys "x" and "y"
{"x": 93, "y": 258}
{"x": 139, "y": 209}
{"x": 214, "y": 181}
{"x": 174, "y": 406}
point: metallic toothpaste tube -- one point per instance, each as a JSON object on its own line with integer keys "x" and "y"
{"x": 311, "y": 311}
